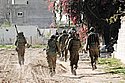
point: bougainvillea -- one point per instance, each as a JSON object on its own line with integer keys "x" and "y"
{"x": 50, "y": 5}
{"x": 83, "y": 33}
{"x": 91, "y": 11}
{"x": 71, "y": 8}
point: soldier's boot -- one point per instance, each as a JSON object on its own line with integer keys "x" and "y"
{"x": 20, "y": 63}
{"x": 54, "y": 72}
{"x": 62, "y": 55}
{"x": 84, "y": 51}
{"x": 61, "y": 58}
{"x": 65, "y": 58}
{"x": 94, "y": 65}
{"x": 59, "y": 55}
{"x": 22, "y": 60}
{"x": 51, "y": 72}
{"x": 93, "y": 68}
{"x": 74, "y": 71}
{"x": 96, "y": 58}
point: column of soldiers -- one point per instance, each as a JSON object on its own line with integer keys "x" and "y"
{"x": 71, "y": 42}
{"x": 66, "y": 41}
{"x": 60, "y": 45}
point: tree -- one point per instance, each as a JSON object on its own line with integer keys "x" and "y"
{"x": 104, "y": 15}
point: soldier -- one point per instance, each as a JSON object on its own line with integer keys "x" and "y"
{"x": 62, "y": 43}
{"x": 93, "y": 47}
{"x": 70, "y": 35}
{"x": 51, "y": 52}
{"x": 20, "y": 43}
{"x": 73, "y": 46}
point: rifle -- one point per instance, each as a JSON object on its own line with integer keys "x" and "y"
{"x": 16, "y": 29}
{"x": 16, "y": 41}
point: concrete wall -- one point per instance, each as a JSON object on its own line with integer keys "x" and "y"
{"x": 120, "y": 52}
{"x": 8, "y": 35}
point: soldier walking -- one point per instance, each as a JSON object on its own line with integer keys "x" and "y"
{"x": 62, "y": 43}
{"x": 93, "y": 47}
{"x": 73, "y": 46}
{"x": 20, "y": 43}
{"x": 51, "y": 52}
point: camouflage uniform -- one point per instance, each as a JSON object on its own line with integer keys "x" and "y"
{"x": 93, "y": 46}
{"x": 62, "y": 43}
{"x": 74, "y": 45}
{"x": 20, "y": 43}
{"x": 51, "y": 52}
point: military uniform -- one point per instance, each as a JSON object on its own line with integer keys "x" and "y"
{"x": 93, "y": 46}
{"x": 51, "y": 52}
{"x": 20, "y": 43}
{"x": 62, "y": 43}
{"x": 74, "y": 45}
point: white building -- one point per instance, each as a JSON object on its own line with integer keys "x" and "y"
{"x": 120, "y": 52}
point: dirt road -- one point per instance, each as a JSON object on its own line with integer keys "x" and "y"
{"x": 36, "y": 70}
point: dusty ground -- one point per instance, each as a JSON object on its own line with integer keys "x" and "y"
{"x": 35, "y": 70}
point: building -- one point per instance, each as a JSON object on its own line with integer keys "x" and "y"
{"x": 18, "y": 11}
{"x": 4, "y": 10}
{"x": 26, "y": 12}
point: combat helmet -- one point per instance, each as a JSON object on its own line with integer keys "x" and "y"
{"x": 53, "y": 36}
{"x": 20, "y": 34}
{"x": 92, "y": 29}
{"x": 64, "y": 31}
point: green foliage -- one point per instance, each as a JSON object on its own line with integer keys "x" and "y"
{"x": 6, "y": 24}
{"x": 118, "y": 70}
{"x": 112, "y": 65}
{"x": 7, "y": 46}
{"x": 109, "y": 62}
{"x": 39, "y": 46}
{"x": 112, "y": 19}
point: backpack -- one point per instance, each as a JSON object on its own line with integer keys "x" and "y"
{"x": 93, "y": 40}
{"x": 63, "y": 39}
{"x": 52, "y": 47}
{"x": 75, "y": 44}
{"x": 21, "y": 41}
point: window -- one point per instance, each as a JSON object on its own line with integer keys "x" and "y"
{"x": 20, "y": 14}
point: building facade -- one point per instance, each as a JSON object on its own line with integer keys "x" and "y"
{"x": 4, "y": 10}
{"x": 26, "y": 12}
